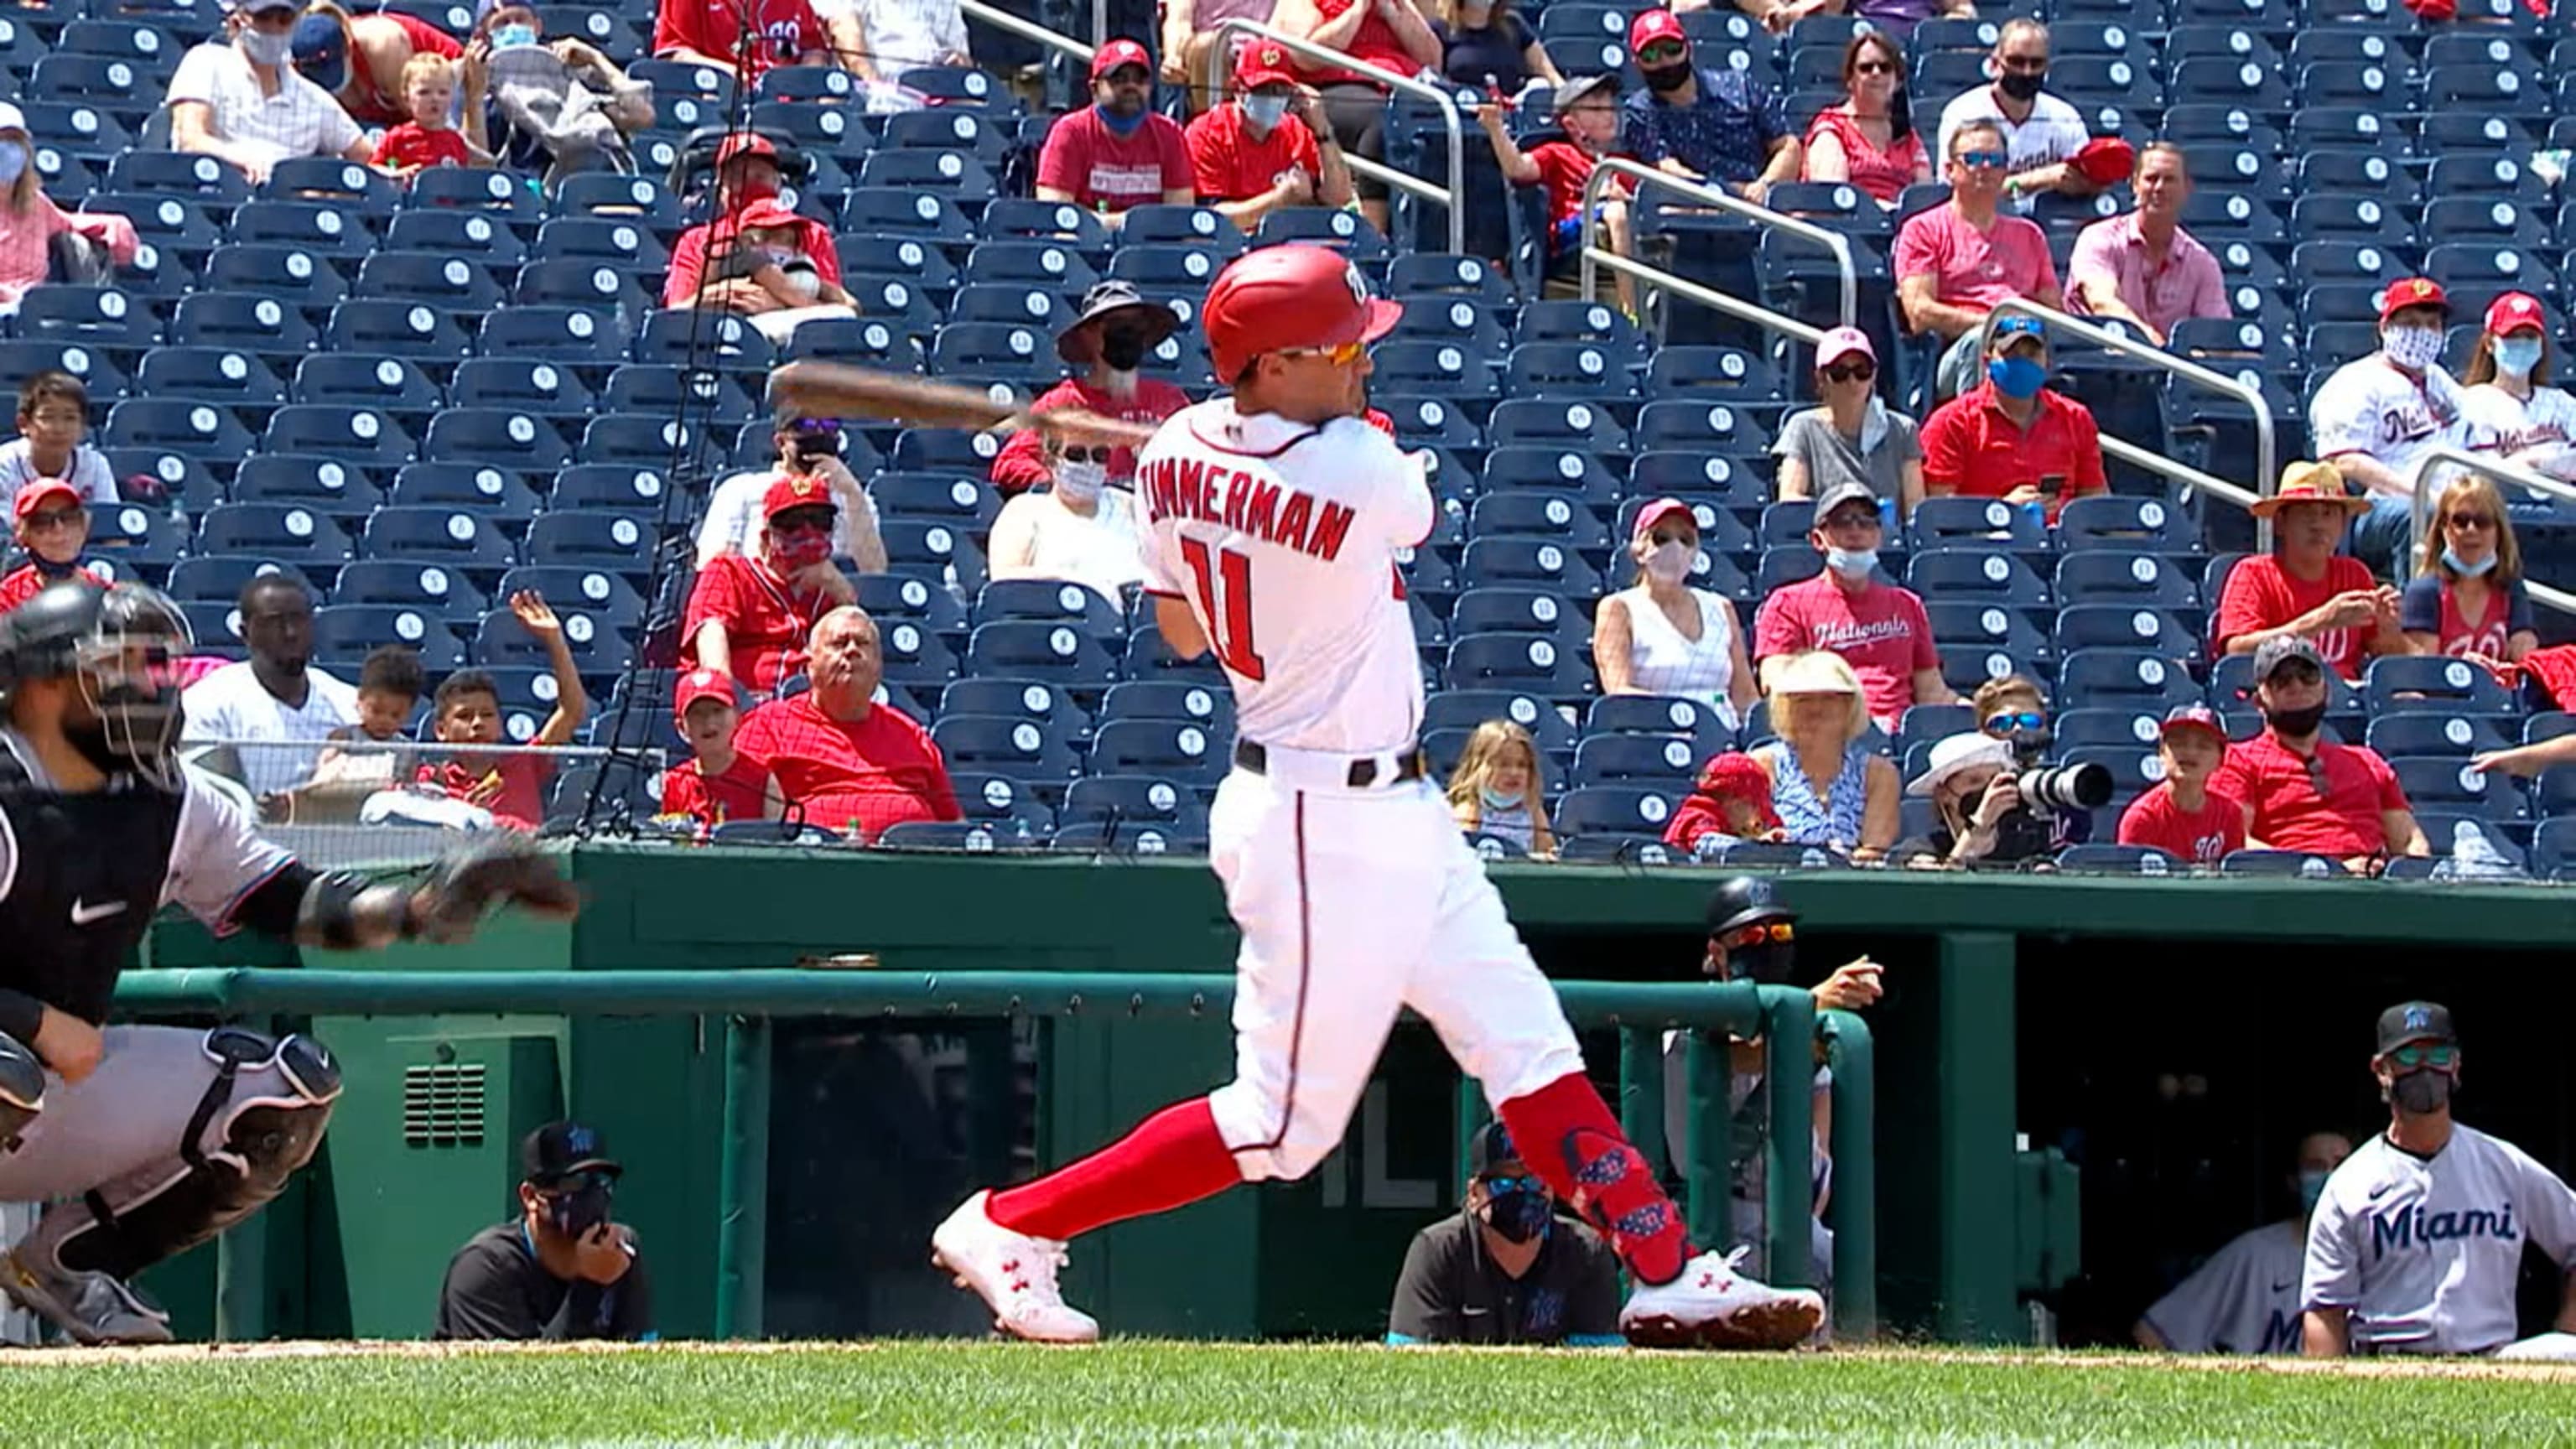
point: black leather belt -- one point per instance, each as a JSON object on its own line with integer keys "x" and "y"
{"x": 1413, "y": 765}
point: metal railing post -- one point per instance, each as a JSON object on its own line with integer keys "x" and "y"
{"x": 742, "y": 1187}
{"x": 2267, "y": 448}
{"x": 1789, "y": 1184}
{"x": 1852, "y": 1212}
{"x": 1832, "y": 241}
{"x": 2503, "y": 470}
{"x": 1003, "y": 20}
{"x": 1453, "y": 197}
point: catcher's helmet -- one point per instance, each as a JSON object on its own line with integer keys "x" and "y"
{"x": 123, "y": 643}
{"x": 1289, "y": 296}
{"x": 1742, "y": 900}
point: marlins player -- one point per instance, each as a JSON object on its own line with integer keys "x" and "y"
{"x": 1273, "y": 522}
{"x": 2415, "y": 1245}
{"x": 149, "y": 1140}
{"x": 2245, "y": 1299}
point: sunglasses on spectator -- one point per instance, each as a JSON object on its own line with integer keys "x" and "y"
{"x": 2471, "y": 520}
{"x": 2316, "y": 766}
{"x": 1851, "y": 372}
{"x": 802, "y": 520}
{"x": 1662, "y": 50}
{"x": 1983, "y": 160}
{"x": 1528, "y": 1182}
{"x": 2004, "y": 724}
{"x": 1746, "y": 937}
{"x": 2297, "y": 671}
{"x": 1872, "y": 67}
{"x": 1083, "y": 453}
{"x": 2411, "y": 1057}
{"x": 55, "y": 518}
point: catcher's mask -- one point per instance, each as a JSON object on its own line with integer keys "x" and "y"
{"x": 124, "y": 644}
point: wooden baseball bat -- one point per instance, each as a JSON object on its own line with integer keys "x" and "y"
{"x": 838, "y": 390}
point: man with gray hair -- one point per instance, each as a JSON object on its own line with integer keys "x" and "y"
{"x": 844, "y": 758}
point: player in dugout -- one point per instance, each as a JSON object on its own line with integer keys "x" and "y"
{"x": 1507, "y": 1267}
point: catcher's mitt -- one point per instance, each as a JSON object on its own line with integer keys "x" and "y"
{"x": 466, "y": 885}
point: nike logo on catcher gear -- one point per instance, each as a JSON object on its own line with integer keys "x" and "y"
{"x": 83, "y": 913}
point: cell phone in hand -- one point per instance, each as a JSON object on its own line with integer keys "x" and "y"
{"x": 2052, "y": 485}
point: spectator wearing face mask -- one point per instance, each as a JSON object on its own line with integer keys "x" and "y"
{"x": 2377, "y": 417}
{"x": 240, "y": 100}
{"x": 749, "y": 617}
{"x": 1587, "y": 112}
{"x": 2308, "y": 792}
{"x": 1108, "y": 341}
{"x": 1508, "y": 1269}
{"x": 2466, "y": 599}
{"x": 1664, "y": 637}
{"x": 1973, "y": 786}
{"x": 1077, "y": 528}
{"x": 807, "y": 447}
{"x": 1268, "y": 149}
{"x": 1880, "y": 629}
{"x": 739, "y": 259}
{"x": 30, "y": 222}
{"x": 1717, "y": 126}
{"x": 559, "y": 106}
{"x": 2014, "y": 438}
{"x": 2041, "y": 133}
{"x": 562, "y": 1269}
{"x": 2245, "y": 1297}
{"x": 2509, "y": 407}
{"x": 1117, "y": 153}
{"x": 1498, "y": 789}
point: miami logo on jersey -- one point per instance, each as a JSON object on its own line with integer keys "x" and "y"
{"x": 2416, "y": 1228}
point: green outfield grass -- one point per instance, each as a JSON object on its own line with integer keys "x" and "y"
{"x": 1163, "y": 1393}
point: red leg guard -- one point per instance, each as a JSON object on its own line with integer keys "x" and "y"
{"x": 1172, "y": 1159}
{"x": 1567, "y": 1136}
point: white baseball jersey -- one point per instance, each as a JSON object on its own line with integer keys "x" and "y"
{"x": 1282, "y": 537}
{"x": 2053, "y": 132}
{"x": 2245, "y": 1299}
{"x": 2423, "y": 1252}
{"x": 2370, "y": 407}
{"x": 2541, "y": 431}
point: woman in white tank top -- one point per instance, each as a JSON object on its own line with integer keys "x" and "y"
{"x": 1077, "y": 529}
{"x": 1663, "y": 636}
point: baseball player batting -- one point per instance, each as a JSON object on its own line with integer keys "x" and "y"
{"x": 2416, "y": 1241}
{"x": 1273, "y": 522}
{"x": 149, "y": 1140}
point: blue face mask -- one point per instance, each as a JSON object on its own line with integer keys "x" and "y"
{"x": 2016, "y": 377}
{"x": 1120, "y": 125}
{"x": 2517, "y": 356}
{"x": 511, "y": 37}
{"x": 13, "y": 162}
{"x": 2459, "y": 565}
{"x": 2312, "y": 1185}
{"x": 1497, "y": 800}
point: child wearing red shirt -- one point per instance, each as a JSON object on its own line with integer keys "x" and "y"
{"x": 1587, "y": 111}
{"x": 52, "y": 526}
{"x": 2184, "y": 817}
{"x": 466, "y": 710}
{"x": 426, "y": 140}
{"x": 721, "y": 783}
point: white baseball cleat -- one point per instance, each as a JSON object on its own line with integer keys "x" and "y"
{"x": 1013, "y": 1273}
{"x": 1710, "y": 1305}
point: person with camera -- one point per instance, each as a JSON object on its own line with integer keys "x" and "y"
{"x": 2013, "y": 709}
{"x": 1996, "y": 805}
{"x": 2309, "y": 792}
{"x": 807, "y": 448}
{"x": 1506, "y": 1268}
{"x": 562, "y": 1269}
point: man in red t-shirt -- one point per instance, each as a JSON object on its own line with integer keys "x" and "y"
{"x": 778, "y": 33}
{"x": 1268, "y": 149}
{"x": 52, "y": 526}
{"x": 2183, "y": 816}
{"x": 1117, "y": 153}
{"x": 1587, "y": 111}
{"x": 1879, "y": 629}
{"x": 1108, "y": 341}
{"x": 2013, "y": 437}
{"x": 748, "y": 617}
{"x": 2307, "y": 792}
{"x": 843, "y": 760}
{"x": 720, "y": 783}
{"x": 2303, "y": 587}
{"x": 466, "y": 710}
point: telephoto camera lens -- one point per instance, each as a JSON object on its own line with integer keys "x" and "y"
{"x": 2085, "y": 786}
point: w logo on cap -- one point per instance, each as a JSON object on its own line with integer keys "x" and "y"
{"x": 2419, "y": 288}
{"x": 1272, "y": 55}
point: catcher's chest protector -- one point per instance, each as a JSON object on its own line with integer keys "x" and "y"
{"x": 79, "y": 884}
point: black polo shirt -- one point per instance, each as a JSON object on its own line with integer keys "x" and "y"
{"x": 1451, "y": 1292}
{"x": 496, "y": 1289}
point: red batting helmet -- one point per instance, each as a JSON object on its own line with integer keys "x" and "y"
{"x": 1289, "y": 296}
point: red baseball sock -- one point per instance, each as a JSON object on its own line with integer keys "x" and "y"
{"x": 1567, "y": 1136}
{"x": 1174, "y": 1158}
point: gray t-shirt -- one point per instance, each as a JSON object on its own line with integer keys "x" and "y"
{"x": 1877, "y": 458}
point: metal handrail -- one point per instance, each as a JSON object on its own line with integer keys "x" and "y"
{"x": 1453, "y": 197}
{"x": 2502, "y": 470}
{"x": 2267, "y": 448}
{"x": 1004, "y": 20}
{"x": 1832, "y": 241}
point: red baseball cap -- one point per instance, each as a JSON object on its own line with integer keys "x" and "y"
{"x": 1262, "y": 64}
{"x": 1653, "y": 25}
{"x": 745, "y": 143}
{"x": 1659, "y": 510}
{"x": 1117, "y": 53}
{"x": 2105, "y": 160}
{"x": 766, "y": 212}
{"x": 2195, "y": 717}
{"x": 2412, "y": 292}
{"x": 796, "y": 490}
{"x": 1740, "y": 776}
{"x": 700, "y": 684}
{"x": 2513, "y": 312}
{"x": 41, "y": 492}
{"x": 1294, "y": 295}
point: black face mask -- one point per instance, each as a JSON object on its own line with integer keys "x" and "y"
{"x": 2297, "y": 723}
{"x": 1122, "y": 351}
{"x": 1667, "y": 78}
{"x": 1518, "y": 1216}
{"x": 2021, "y": 85}
{"x": 2424, "y": 1092}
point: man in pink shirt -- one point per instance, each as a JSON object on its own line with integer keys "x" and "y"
{"x": 2143, "y": 268}
{"x": 1955, "y": 261}
{"x": 1117, "y": 153}
{"x": 1879, "y": 629}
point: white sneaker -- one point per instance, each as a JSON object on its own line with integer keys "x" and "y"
{"x": 1710, "y": 1305}
{"x": 1013, "y": 1272}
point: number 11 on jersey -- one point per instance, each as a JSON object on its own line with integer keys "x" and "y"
{"x": 1229, "y": 620}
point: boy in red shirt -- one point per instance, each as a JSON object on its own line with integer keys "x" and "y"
{"x": 2183, "y": 816}
{"x": 721, "y": 783}
{"x": 52, "y": 526}
{"x": 426, "y": 140}
{"x": 467, "y": 711}
{"x": 1587, "y": 111}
